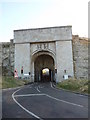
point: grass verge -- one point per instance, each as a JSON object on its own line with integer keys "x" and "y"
{"x": 11, "y": 82}
{"x": 76, "y": 85}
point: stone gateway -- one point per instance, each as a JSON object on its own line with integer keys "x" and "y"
{"x": 44, "y": 48}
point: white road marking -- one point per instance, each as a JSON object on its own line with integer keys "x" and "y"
{"x": 41, "y": 87}
{"x": 82, "y": 95}
{"x": 27, "y": 95}
{"x": 38, "y": 90}
{"x": 68, "y": 91}
{"x": 51, "y": 85}
{"x": 13, "y": 96}
{"x": 63, "y": 100}
{"x": 24, "y": 107}
{"x": 30, "y": 87}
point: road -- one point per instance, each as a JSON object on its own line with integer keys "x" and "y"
{"x": 42, "y": 100}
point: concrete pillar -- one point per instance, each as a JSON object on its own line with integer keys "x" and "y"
{"x": 64, "y": 59}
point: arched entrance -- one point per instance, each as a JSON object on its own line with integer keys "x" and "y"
{"x": 44, "y": 68}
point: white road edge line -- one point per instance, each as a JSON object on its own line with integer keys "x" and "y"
{"x": 53, "y": 87}
{"x": 66, "y": 101}
{"x": 66, "y": 90}
{"x": 23, "y": 107}
{"x": 49, "y": 97}
{"x": 62, "y": 100}
{"x": 38, "y": 90}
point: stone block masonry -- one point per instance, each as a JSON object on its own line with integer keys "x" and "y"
{"x": 79, "y": 47}
{"x": 80, "y": 56}
{"x": 61, "y": 39}
{"x": 8, "y": 57}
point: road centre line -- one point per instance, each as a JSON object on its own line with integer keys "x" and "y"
{"x": 24, "y": 107}
{"x": 63, "y": 100}
{"x": 27, "y": 95}
{"x": 50, "y": 96}
{"x": 13, "y": 96}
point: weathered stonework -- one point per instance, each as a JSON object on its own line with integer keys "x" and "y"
{"x": 43, "y": 34}
{"x": 80, "y": 56}
{"x": 55, "y": 42}
{"x": 8, "y": 58}
{"x": 62, "y": 48}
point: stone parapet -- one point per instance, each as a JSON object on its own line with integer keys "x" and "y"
{"x": 43, "y": 34}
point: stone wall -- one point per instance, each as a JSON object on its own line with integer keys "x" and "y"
{"x": 8, "y": 58}
{"x": 62, "y": 35}
{"x": 80, "y": 57}
{"x": 43, "y": 34}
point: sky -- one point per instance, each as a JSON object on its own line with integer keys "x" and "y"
{"x": 26, "y": 14}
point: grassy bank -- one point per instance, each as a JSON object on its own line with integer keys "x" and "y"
{"x": 80, "y": 85}
{"x": 11, "y": 82}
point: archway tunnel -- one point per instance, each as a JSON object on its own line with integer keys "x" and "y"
{"x": 44, "y": 68}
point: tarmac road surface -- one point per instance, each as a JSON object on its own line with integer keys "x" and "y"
{"x": 42, "y": 100}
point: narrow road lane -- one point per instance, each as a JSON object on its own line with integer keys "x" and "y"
{"x": 42, "y": 100}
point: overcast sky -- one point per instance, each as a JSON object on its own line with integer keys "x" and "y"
{"x": 24, "y": 14}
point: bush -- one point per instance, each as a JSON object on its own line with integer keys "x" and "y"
{"x": 10, "y": 82}
{"x": 78, "y": 85}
